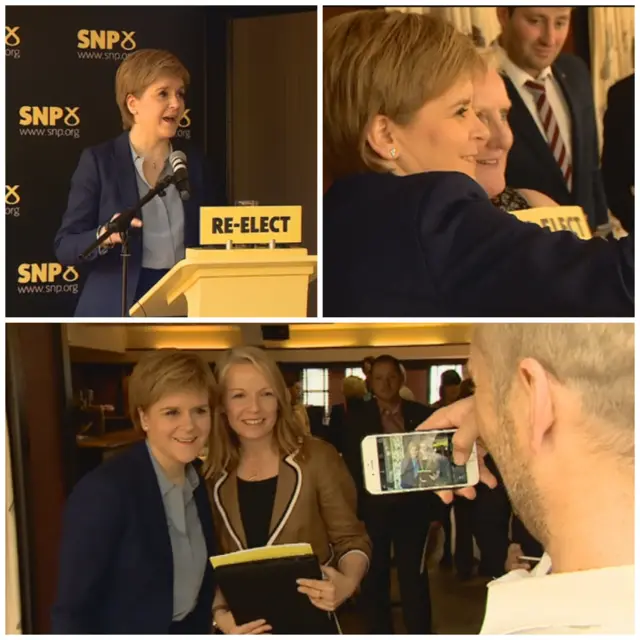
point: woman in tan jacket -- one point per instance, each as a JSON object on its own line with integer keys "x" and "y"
{"x": 272, "y": 484}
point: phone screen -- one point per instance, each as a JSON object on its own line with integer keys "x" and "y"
{"x": 418, "y": 461}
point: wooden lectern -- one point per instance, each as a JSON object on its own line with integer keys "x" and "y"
{"x": 237, "y": 283}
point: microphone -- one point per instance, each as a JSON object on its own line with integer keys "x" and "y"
{"x": 179, "y": 165}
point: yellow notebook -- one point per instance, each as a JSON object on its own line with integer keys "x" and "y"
{"x": 262, "y": 584}
{"x": 262, "y": 553}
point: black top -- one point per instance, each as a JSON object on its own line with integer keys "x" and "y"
{"x": 510, "y": 200}
{"x": 256, "y": 506}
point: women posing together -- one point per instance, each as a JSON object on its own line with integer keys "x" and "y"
{"x": 138, "y": 530}
{"x": 415, "y": 141}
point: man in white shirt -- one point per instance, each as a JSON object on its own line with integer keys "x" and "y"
{"x": 554, "y": 405}
{"x": 555, "y": 148}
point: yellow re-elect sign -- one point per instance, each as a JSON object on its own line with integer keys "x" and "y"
{"x": 250, "y": 225}
{"x": 558, "y": 219}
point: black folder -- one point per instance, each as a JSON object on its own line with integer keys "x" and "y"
{"x": 261, "y": 583}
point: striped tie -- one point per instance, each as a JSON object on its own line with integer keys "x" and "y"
{"x": 551, "y": 129}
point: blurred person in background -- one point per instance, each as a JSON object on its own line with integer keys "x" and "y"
{"x": 552, "y": 115}
{"x": 294, "y": 388}
{"x": 353, "y": 391}
{"x": 618, "y": 152}
{"x": 390, "y": 519}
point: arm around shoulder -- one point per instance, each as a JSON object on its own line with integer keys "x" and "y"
{"x": 488, "y": 263}
{"x": 92, "y": 529}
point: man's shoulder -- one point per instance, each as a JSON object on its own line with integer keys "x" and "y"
{"x": 418, "y": 408}
{"x": 622, "y": 90}
{"x": 573, "y": 66}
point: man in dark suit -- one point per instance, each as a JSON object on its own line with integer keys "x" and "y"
{"x": 401, "y": 519}
{"x": 553, "y": 118}
{"x": 618, "y": 151}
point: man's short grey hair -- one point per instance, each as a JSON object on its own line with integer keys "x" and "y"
{"x": 594, "y": 359}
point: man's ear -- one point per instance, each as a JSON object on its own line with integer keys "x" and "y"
{"x": 535, "y": 385}
{"x": 381, "y": 138}
{"x": 503, "y": 16}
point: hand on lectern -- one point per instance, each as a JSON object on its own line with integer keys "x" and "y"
{"x": 116, "y": 238}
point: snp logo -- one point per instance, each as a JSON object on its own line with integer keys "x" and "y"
{"x": 47, "y": 277}
{"x": 59, "y": 122}
{"x": 100, "y": 45}
{"x": 12, "y": 200}
{"x": 45, "y": 272}
{"x": 183, "y": 126}
{"x": 12, "y": 41}
{"x": 90, "y": 39}
{"x": 49, "y": 116}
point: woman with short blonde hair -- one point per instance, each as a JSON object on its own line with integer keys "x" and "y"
{"x": 138, "y": 530}
{"x": 150, "y": 91}
{"x": 408, "y": 231}
{"x": 272, "y": 484}
{"x": 384, "y": 64}
{"x": 163, "y": 372}
{"x": 139, "y": 71}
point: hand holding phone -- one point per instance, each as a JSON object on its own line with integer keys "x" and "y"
{"x": 461, "y": 416}
{"x": 399, "y": 462}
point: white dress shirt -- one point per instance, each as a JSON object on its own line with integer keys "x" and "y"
{"x": 554, "y": 93}
{"x": 599, "y": 601}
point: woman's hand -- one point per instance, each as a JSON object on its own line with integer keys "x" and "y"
{"x": 330, "y": 593}
{"x": 227, "y": 624}
{"x": 513, "y": 559}
{"x": 116, "y": 238}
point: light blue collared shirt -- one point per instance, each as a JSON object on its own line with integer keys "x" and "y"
{"x": 163, "y": 221}
{"x": 188, "y": 545}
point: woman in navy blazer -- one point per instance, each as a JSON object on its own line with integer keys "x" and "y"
{"x": 113, "y": 176}
{"x": 138, "y": 530}
{"x": 407, "y": 230}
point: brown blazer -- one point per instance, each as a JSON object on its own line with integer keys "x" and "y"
{"x": 315, "y": 502}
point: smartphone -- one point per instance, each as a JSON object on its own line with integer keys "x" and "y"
{"x": 417, "y": 461}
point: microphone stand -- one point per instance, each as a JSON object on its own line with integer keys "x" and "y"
{"x": 121, "y": 225}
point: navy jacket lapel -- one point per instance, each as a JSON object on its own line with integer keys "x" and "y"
{"x": 126, "y": 172}
{"x": 152, "y": 514}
